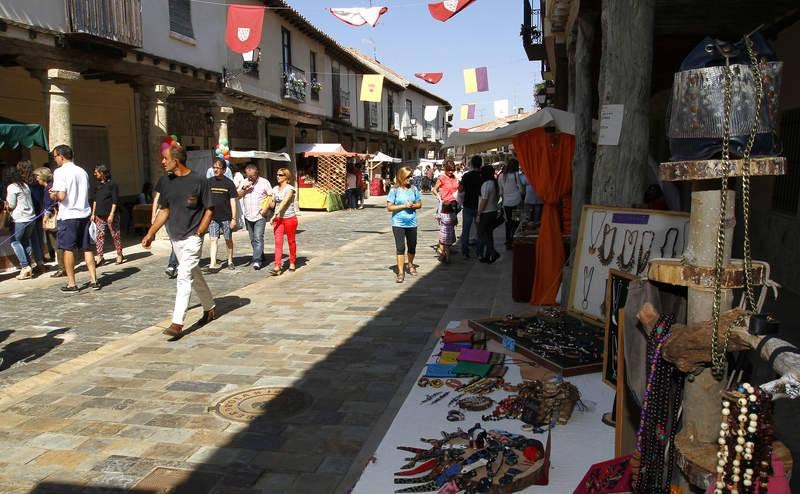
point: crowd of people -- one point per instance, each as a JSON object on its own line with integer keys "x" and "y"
{"x": 485, "y": 196}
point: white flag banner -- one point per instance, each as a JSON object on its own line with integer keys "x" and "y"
{"x": 501, "y": 108}
{"x": 430, "y": 113}
{"x": 358, "y": 16}
{"x": 396, "y": 121}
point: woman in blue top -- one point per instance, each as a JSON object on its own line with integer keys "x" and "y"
{"x": 403, "y": 201}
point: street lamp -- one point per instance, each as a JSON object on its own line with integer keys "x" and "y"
{"x": 541, "y": 99}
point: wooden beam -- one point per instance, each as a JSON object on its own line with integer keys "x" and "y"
{"x": 625, "y": 74}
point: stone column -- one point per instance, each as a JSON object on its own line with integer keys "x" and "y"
{"x": 290, "y": 146}
{"x": 159, "y": 128}
{"x": 59, "y": 121}
{"x": 261, "y": 131}
{"x": 221, "y": 116}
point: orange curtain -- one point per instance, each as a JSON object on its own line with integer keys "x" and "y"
{"x": 546, "y": 159}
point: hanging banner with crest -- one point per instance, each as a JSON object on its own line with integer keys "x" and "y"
{"x": 243, "y": 31}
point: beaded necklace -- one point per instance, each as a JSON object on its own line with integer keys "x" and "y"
{"x": 605, "y": 259}
{"x": 654, "y": 459}
{"x": 631, "y": 238}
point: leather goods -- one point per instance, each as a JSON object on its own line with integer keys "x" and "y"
{"x": 473, "y": 355}
{"x": 49, "y": 222}
{"x": 472, "y": 369}
{"x": 440, "y": 370}
{"x": 457, "y": 337}
{"x": 698, "y": 110}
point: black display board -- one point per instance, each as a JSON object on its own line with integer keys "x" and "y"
{"x": 616, "y": 295}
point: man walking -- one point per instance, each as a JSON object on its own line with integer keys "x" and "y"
{"x": 172, "y": 264}
{"x": 253, "y": 192}
{"x": 186, "y": 209}
{"x": 224, "y": 198}
{"x": 471, "y": 186}
{"x": 71, "y": 190}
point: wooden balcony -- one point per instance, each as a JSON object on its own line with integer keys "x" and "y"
{"x": 116, "y": 21}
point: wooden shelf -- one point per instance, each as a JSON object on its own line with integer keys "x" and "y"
{"x": 673, "y": 171}
{"x": 697, "y": 460}
{"x": 677, "y": 272}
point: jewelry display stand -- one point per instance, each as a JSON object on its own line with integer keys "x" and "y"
{"x": 696, "y": 443}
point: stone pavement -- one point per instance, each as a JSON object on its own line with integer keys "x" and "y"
{"x": 108, "y": 406}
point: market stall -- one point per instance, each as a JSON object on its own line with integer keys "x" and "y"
{"x": 327, "y": 174}
{"x": 377, "y": 186}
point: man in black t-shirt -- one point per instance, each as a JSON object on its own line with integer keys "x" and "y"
{"x": 186, "y": 209}
{"x": 471, "y": 186}
{"x": 223, "y": 197}
{"x": 172, "y": 264}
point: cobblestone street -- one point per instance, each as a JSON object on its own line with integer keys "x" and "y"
{"x": 116, "y": 400}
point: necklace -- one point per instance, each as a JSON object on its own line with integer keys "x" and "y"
{"x": 616, "y": 293}
{"x": 631, "y": 238}
{"x": 596, "y": 236}
{"x": 588, "y": 274}
{"x": 605, "y": 260}
{"x": 674, "y": 242}
{"x": 644, "y": 256}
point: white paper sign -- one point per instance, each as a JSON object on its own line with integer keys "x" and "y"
{"x": 610, "y": 124}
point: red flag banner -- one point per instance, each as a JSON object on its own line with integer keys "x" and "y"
{"x": 243, "y": 31}
{"x": 442, "y": 11}
{"x": 430, "y": 77}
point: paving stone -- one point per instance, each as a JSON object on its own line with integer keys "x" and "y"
{"x": 168, "y": 451}
{"x": 52, "y": 440}
{"x": 215, "y": 456}
{"x": 72, "y": 460}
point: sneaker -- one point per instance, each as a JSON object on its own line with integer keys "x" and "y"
{"x": 94, "y": 285}
{"x": 231, "y": 267}
{"x": 171, "y": 272}
{"x": 256, "y": 266}
{"x": 70, "y": 289}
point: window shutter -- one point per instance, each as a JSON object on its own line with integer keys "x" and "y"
{"x": 180, "y": 17}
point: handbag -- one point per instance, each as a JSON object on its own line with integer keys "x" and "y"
{"x": 499, "y": 219}
{"x": 697, "y": 115}
{"x": 49, "y": 222}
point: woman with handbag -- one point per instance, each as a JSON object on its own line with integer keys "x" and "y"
{"x": 403, "y": 201}
{"x": 284, "y": 221}
{"x": 512, "y": 190}
{"x": 20, "y": 204}
{"x": 44, "y": 176}
{"x": 487, "y": 217}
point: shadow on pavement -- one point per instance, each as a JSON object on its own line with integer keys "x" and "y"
{"x": 224, "y": 305}
{"x": 109, "y": 277}
{"x": 27, "y": 350}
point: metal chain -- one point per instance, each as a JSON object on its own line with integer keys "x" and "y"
{"x": 718, "y": 350}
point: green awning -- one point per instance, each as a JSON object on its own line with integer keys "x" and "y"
{"x": 14, "y": 134}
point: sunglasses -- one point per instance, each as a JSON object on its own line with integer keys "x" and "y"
{"x": 281, "y": 174}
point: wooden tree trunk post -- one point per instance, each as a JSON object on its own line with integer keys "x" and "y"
{"x": 625, "y": 76}
{"x": 584, "y": 102}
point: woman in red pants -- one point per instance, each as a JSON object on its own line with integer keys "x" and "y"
{"x": 284, "y": 221}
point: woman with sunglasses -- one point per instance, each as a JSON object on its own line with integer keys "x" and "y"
{"x": 284, "y": 221}
{"x": 403, "y": 201}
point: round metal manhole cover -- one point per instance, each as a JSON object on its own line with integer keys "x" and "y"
{"x": 273, "y": 402}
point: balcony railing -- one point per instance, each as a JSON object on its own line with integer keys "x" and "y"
{"x": 118, "y": 21}
{"x": 410, "y": 131}
{"x": 294, "y": 83}
{"x": 532, "y": 31}
{"x": 342, "y": 106}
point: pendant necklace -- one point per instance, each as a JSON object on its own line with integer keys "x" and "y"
{"x": 631, "y": 238}
{"x": 674, "y": 242}
{"x": 644, "y": 256}
{"x": 588, "y": 274}
{"x": 605, "y": 260}
{"x": 596, "y": 236}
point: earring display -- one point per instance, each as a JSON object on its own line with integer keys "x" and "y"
{"x": 553, "y": 338}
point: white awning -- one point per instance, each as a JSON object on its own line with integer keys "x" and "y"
{"x": 481, "y": 141}
{"x": 260, "y": 155}
{"x": 320, "y": 149}
{"x": 385, "y": 157}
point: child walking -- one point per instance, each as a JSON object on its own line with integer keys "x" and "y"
{"x": 447, "y": 230}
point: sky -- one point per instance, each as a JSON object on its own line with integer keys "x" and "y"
{"x": 408, "y": 40}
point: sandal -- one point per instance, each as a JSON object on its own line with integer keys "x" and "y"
{"x": 412, "y": 270}
{"x": 120, "y": 260}
{"x": 399, "y": 279}
{"x": 58, "y": 274}
{"x": 274, "y": 272}
{"x": 100, "y": 262}
{"x": 25, "y": 274}
{"x": 292, "y": 268}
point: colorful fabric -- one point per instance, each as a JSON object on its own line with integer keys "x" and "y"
{"x": 447, "y": 228}
{"x": 430, "y": 77}
{"x": 371, "y": 88}
{"x": 442, "y": 11}
{"x": 358, "y": 16}
{"x": 472, "y": 368}
{"x": 476, "y": 80}
{"x": 448, "y": 357}
{"x": 243, "y": 30}
{"x": 440, "y": 370}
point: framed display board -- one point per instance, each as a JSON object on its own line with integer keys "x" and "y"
{"x": 616, "y": 295}
{"x": 623, "y": 239}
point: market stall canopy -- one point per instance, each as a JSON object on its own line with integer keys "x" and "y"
{"x": 385, "y": 157}
{"x": 14, "y": 134}
{"x": 480, "y": 141}
{"x": 261, "y": 155}
{"x": 425, "y": 162}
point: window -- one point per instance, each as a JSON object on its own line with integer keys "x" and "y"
{"x": 390, "y": 113}
{"x": 312, "y": 76}
{"x": 180, "y": 17}
{"x": 286, "y": 46}
{"x": 410, "y": 108}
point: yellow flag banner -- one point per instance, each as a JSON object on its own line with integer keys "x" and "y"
{"x": 371, "y": 88}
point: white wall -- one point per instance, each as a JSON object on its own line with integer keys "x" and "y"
{"x": 35, "y": 13}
